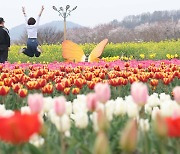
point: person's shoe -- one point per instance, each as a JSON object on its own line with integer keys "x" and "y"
{"x": 39, "y": 49}
{"x": 21, "y": 50}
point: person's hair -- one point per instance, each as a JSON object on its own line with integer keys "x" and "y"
{"x": 1, "y": 20}
{"x": 31, "y": 21}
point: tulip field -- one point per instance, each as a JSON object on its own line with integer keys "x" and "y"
{"x": 116, "y": 106}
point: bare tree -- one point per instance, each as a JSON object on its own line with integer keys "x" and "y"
{"x": 46, "y": 35}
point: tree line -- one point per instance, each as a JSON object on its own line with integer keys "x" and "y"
{"x": 156, "y": 26}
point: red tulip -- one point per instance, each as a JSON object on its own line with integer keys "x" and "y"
{"x": 75, "y": 91}
{"x": 18, "y": 128}
{"x": 22, "y": 93}
{"x": 47, "y": 89}
{"x": 4, "y": 90}
{"x": 60, "y": 86}
{"x": 173, "y": 125}
{"x": 67, "y": 91}
{"x": 8, "y": 82}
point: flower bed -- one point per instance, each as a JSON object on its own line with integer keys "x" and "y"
{"x": 124, "y": 51}
{"x": 137, "y": 123}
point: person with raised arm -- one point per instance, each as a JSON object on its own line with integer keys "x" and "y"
{"x": 32, "y": 31}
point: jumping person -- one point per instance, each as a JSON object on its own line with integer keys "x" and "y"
{"x": 4, "y": 41}
{"x": 32, "y": 42}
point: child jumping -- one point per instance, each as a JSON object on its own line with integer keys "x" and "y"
{"x": 32, "y": 42}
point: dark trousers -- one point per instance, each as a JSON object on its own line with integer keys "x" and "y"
{"x": 3, "y": 56}
{"x": 31, "y": 49}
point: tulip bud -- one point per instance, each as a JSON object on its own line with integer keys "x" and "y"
{"x": 102, "y": 120}
{"x": 60, "y": 105}
{"x": 101, "y": 144}
{"x": 160, "y": 126}
{"x": 22, "y": 93}
{"x": 103, "y": 92}
{"x": 92, "y": 102}
{"x": 129, "y": 136}
{"x": 35, "y": 102}
{"x": 139, "y": 92}
{"x": 176, "y": 93}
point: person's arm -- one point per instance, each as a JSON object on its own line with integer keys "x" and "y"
{"x": 7, "y": 37}
{"x": 38, "y": 18}
{"x": 25, "y": 16}
{"x": 42, "y": 9}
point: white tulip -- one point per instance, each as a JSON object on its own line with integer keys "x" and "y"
{"x": 164, "y": 97}
{"x": 148, "y": 109}
{"x": 48, "y": 104}
{"x": 7, "y": 113}
{"x": 25, "y": 110}
{"x": 168, "y": 107}
{"x": 120, "y": 107}
{"x": 68, "y": 108}
{"x": 153, "y": 100}
{"x": 154, "y": 113}
{"x": 94, "y": 118}
{"x": 109, "y": 107}
{"x": 144, "y": 124}
{"x": 63, "y": 123}
{"x": 36, "y": 140}
{"x": 81, "y": 120}
{"x": 132, "y": 110}
{"x": 79, "y": 105}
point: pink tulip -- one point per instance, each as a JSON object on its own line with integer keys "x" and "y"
{"x": 139, "y": 92}
{"x": 176, "y": 93}
{"x": 60, "y": 105}
{"x": 92, "y": 101}
{"x": 35, "y": 102}
{"x": 103, "y": 92}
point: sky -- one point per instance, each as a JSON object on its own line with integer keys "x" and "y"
{"x": 89, "y": 12}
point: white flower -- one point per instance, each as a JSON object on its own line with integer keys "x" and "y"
{"x": 132, "y": 110}
{"x": 144, "y": 124}
{"x": 67, "y": 134}
{"x": 80, "y": 105}
{"x": 2, "y": 108}
{"x": 155, "y": 110}
{"x": 7, "y": 113}
{"x": 148, "y": 109}
{"x": 164, "y": 97}
{"x": 37, "y": 140}
{"x": 109, "y": 107}
{"x": 94, "y": 118}
{"x": 120, "y": 107}
{"x": 153, "y": 100}
{"x": 68, "y": 108}
{"x": 48, "y": 104}
{"x": 168, "y": 107}
{"x": 63, "y": 123}
{"x": 81, "y": 119}
{"x": 25, "y": 110}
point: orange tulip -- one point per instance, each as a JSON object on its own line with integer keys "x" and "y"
{"x": 60, "y": 86}
{"x": 75, "y": 91}
{"x": 22, "y": 93}
{"x": 154, "y": 82}
{"x": 8, "y": 82}
{"x": 16, "y": 87}
{"x": 47, "y": 89}
{"x": 67, "y": 91}
{"x": 4, "y": 90}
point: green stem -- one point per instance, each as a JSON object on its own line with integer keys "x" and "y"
{"x": 63, "y": 147}
{"x": 145, "y": 147}
{"x": 178, "y": 145}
